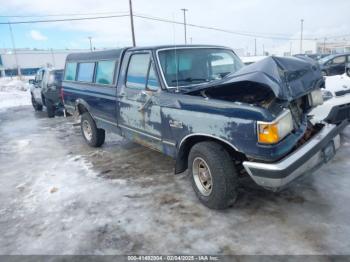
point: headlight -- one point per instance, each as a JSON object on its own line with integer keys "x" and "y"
{"x": 326, "y": 95}
{"x": 315, "y": 98}
{"x": 273, "y": 132}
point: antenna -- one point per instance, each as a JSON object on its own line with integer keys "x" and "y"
{"x": 176, "y": 62}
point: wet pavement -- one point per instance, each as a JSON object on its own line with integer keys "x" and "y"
{"x": 59, "y": 196}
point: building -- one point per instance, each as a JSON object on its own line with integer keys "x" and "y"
{"x": 28, "y": 61}
{"x": 333, "y": 47}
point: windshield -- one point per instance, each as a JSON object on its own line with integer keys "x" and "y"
{"x": 189, "y": 66}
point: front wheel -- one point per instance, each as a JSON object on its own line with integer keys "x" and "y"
{"x": 36, "y": 105}
{"x": 213, "y": 175}
{"x": 94, "y": 136}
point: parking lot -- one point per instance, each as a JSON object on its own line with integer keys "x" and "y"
{"x": 125, "y": 199}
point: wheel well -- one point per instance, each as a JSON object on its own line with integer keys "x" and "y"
{"x": 184, "y": 150}
{"x": 81, "y": 109}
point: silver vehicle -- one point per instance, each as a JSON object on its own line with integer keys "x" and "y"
{"x": 46, "y": 90}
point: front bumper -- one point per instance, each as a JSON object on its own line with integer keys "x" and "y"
{"x": 318, "y": 150}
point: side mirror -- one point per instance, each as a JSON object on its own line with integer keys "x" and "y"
{"x": 31, "y": 81}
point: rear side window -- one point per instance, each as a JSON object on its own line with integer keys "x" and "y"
{"x": 137, "y": 71}
{"x": 71, "y": 69}
{"x": 86, "y": 72}
{"x": 105, "y": 72}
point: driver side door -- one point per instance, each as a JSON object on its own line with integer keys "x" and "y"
{"x": 139, "y": 110}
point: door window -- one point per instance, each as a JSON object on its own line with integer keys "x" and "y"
{"x": 105, "y": 72}
{"x": 137, "y": 71}
{"x": 71, "y": 69}
{"x": 339, "y": 60}
{"x": 152, "y": 82}
{"x": 86, "y": 72}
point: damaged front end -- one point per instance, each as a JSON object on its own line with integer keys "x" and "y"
{"x": 287, "y": 88}
{"x": 287, "y": 144}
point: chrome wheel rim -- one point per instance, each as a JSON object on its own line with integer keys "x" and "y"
{"x": 202, "y": 176}
{"x": 87, "y": 130}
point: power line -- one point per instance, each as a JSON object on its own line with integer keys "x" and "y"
{"x": 158, "y": 19}
{"x": 215, "y": 28}
{"x": 61, "y": 20}
{"x": 68, "y": 14}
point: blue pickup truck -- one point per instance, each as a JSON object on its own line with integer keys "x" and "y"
{"x": 200, "y": 105}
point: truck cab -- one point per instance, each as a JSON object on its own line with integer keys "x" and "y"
{"x": 200, "y": 105}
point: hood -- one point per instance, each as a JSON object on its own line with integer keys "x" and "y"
{"x": 288, "y": 78}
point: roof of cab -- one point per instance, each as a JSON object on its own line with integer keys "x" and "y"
{"x": 96, "y": 55}
{"x": 115, "y": 53}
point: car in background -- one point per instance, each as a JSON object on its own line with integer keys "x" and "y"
{"x": 315, "y": 57}
{"x": 46, "y": 90}
{"x": 334, "y": 64}
{"x": 247, "y": 60}
{"x": 336, "y": 97}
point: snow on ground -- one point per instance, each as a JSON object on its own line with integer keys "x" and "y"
{"x": 13, "y": 92}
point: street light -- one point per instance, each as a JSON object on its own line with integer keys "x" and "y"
{"x": 301, "y": 35}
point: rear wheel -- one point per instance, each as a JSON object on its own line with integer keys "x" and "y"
{"x": 94, "y": 136}
{"x": 36, "y": 105}
{"x": 213, "y": 175}
{"x": 50, "y": 108}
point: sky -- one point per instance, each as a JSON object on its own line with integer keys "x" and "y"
{"x": 322, "y": 18}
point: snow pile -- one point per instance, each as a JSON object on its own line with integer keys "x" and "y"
{"x": 8, "y": 84}
{"x": 14, "y": 92}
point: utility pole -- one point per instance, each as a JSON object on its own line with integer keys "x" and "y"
{"x": 263, "y": 46}
{"x": 185, "y": 10}
{"x": 53, "y": 58}
{"x": 14, "y": 50}
{"x": 90, "y": 40}
{"x": 301, "y": 35}
{"x": 254, "y": 46}
{"x": 132, "y": 24}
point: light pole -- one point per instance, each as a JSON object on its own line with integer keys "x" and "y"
{"x": 301, "y": 35}
{"x": 185, "y": 10}
{"x": 14, "y": 50}
{"x": 132, "y": 24}
{"x": 254, "y": 46}
{"x": 90, "y": 40}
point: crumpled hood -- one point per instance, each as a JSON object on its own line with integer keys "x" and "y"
{"x": 288, "y": 78}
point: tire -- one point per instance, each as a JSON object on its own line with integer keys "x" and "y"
{"x": 94, "y": 136}
{"x": 50, "y": 108}
{"x": 36, "y": 106}
{"x": 224, "y": 182}
{"x": 348, "y": 72}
